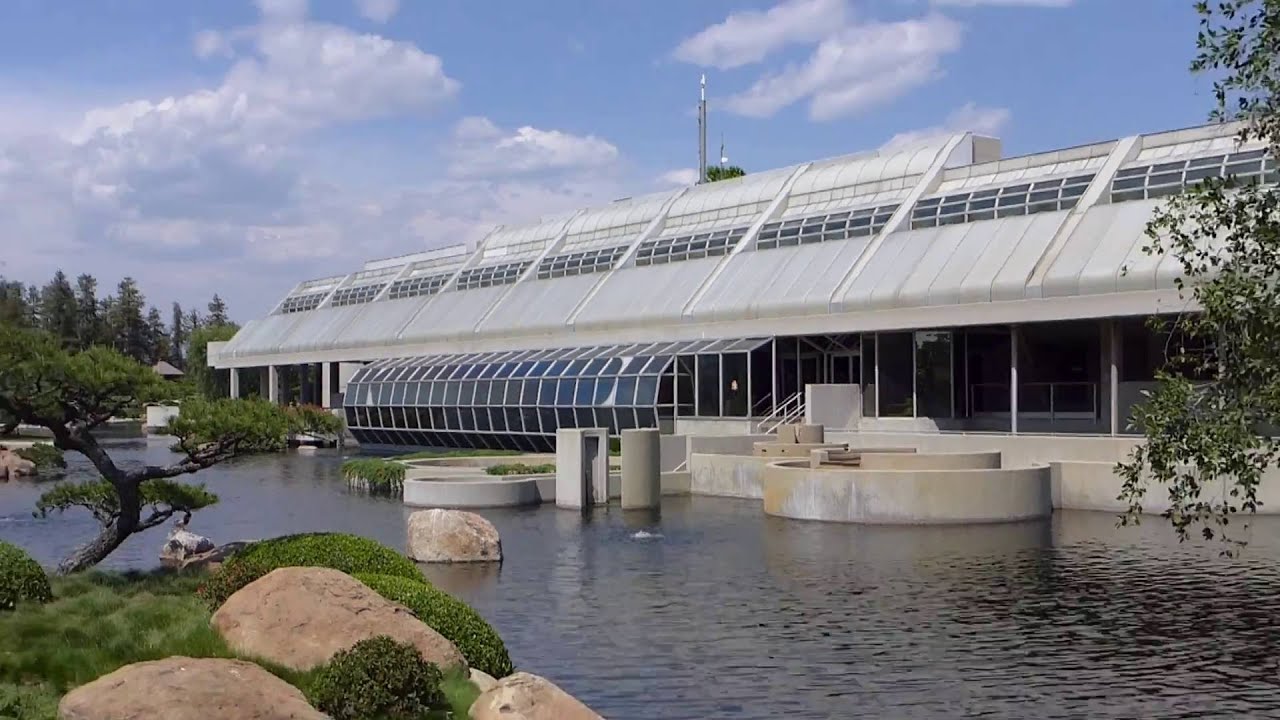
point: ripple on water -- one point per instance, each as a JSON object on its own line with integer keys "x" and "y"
{"x": 721, "y": 612}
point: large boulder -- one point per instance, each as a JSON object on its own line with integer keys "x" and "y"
{"x": 299, "y": 617}
{"x": 523, "y": 696}
{"x": 183, "y": 688}
{"x": 183, "y": 545}
{"x": 14, "y": 466}
{"x": 449, "y": 536}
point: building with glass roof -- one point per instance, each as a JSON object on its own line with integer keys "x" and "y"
{"x": 957, "y": 289}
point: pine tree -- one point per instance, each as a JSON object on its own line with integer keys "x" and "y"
{"x": 217, "y": 312}
{"x": 88, "y": 321}
{"x": 13, "y": 303}
{"x": 194, "y": 323}
{"x": 128, "y": 326}
{"x": 177, "y": 336}
{"x": 157, "y": 337}
{"x": 58, "y": 310}
{"x": 32, "y": 305}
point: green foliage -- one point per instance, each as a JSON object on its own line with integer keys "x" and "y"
{"x": 313, "y": 420}
{"x": 452, "y": 618}
{"x": 377, "y": 678}
{"x": 21, "y": 578}
{"x": 1209, "y": 421}
{"x": 378, "y": 476}
{"x": 45, "y": 456}
{"x": 728, "y": 172}
{"x": 232, "y": 426}
{"x": 213, "y": 383}
{"x": 28, "y": 702}
{"x": 350, "y": 554}
{"x": 163, "y": 497}
{"x": 521, "y": 469}
{"x": 45, "y": 385}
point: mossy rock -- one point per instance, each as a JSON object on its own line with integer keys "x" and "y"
{"x": 478, "y": 642}
{"x": 350, "y": 554}
{"x": 21, "y": 578}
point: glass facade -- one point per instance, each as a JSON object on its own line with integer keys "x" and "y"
{"x": 517, "y": 400}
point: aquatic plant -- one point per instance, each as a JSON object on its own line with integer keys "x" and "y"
{"x": 521, "y": 469}
{"x": 376, "y": 475}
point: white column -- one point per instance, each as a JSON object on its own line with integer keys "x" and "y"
{"x": 1013, "y": 379}
{"x": 235, "y": 382}
{"x": 273, "y": 384}
{"x": 326, "y": 384}
{"x": 1113, "y": 374}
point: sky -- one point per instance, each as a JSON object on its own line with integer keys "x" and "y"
{"x": 242, "y": 146}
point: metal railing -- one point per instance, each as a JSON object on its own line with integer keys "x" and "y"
{"x": 1042, "y": 400}
{"x": 761, "y": 404}
{"x": 788, "y": 411}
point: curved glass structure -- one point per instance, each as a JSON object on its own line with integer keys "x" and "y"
{"x": 517, "y": 400}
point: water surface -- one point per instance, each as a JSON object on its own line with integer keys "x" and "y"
{"x": 722, "y": 612}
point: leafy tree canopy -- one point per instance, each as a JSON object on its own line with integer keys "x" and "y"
{"x": 727, "y": 172}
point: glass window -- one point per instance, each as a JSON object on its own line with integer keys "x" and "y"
{"x": 626, "y": 394}
{"x": 466, "y": 392}
{"x": 635, "y": 365}
{"x": 897, "y": 374}
{"x": 933, "y": 374}
{"x": 614, "y": 367}
{"x": 451, "y": 392}
{"x": 528, "y": 392}
{"x": 604, "y": 392}
{"x": 558, "y": 367}
{"x": 708, "y": 382}
{"x": 577, "y": 367}
{"x": 734, "y": 385}
{"x": 547, "y": 417}
{"x": 547, "y": 393}
{"x": 565, "y": 418}
{"x": 586, "y": 391}
{"x": 594, "y": 367}
{"x": 482, "y": 419}
{"x": 646, "y": 418}
{"x": 468, "y": 419}
{"x": 647, "y": 390}
{"x": 564, "y": 395}
{"x": 482, "y": 392}
{"x": 869, "y": 375}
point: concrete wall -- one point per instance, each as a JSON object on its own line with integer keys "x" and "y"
{"x": 906, "y": 497}
{"x": 736, "y": 476}
{"x": 714, "y": 426}
{"x": 675, "y": 452}
{"x": 837, "y": 407}
{"x": 937, "y": 461}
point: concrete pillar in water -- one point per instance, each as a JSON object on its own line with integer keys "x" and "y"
{"x": 273, "y": 384}
{"x": 641, "y": 469}
{"x": 582, "y": 467}
{"x": 326, "y": 384}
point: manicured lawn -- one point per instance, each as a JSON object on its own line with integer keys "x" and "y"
{"x": 99, "y": 622}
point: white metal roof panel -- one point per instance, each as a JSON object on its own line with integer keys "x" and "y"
{"x": 520, "y": 242}
{"x": 379, "y": 323}
{"x": 942, "y": 252}
{"x": 1011, "y": 247}
{"x": 1092, "y": 257}
{"x": 262, "y": 337}
{"x": 652, "y": 293}
{"x": 877, "y": 284}
{"x": 725, "y": 203}
{"x": 452, "y": 314}
{"x": 540, "y": 305}
{"x": 318, "y": 329}
{"x": 614, "y": 223}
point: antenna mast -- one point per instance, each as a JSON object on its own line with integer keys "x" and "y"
{"x": 702, "y": 132}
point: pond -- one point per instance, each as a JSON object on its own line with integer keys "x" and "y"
{"x": 713, "y": 610}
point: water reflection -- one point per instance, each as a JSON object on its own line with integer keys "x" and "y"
{"x": 714, "y": 610}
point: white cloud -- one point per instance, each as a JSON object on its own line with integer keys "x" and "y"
{"x": 482, "y": 149}
{"x": 379, "y": 11}
{"x": 211, "y": 43}
{"x": 282, "y": 10}
{"x": 750, "y": 36}
{"x": 861, "y": 66}
{"x": 1006, "y": 3}
{"x": 968, "y": 118}
{"x": 681, "y": 177}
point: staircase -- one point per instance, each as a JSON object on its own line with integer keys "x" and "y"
{"x": 788, "y": 411}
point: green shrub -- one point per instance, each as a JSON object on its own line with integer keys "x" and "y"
{"x": 45, "y": 456}
{"x": 378, "y": 476}
{"x": 21, "y": 578}
{"x": 521, "y": 469}
{"x": 377, "y": 678}
{"x": 436, "y": 454}
{"x": 350, "y": 554}
{"x": 452, "y": 618}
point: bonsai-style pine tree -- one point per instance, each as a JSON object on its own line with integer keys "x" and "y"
{"x": 73, "y": 393}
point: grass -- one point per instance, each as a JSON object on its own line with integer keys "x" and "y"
{"x": 377, "y": 475}
{"x": 521, "y": 469}
{"x": 99, "y": 622}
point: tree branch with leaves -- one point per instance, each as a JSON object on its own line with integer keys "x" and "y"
{"x": 1211, "y": 419}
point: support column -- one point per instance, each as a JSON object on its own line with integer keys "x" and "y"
{"x": 1113, "y": 374}
{"x": 306, "y": 388}
{"x": 641, "y": 469}
{"x": 264, "y": 382}
{"x": 326, "y": 385}
{"x": 273, "y": 383}
{"x": 235, "y": 383}
{"x": 1013, "y": 379}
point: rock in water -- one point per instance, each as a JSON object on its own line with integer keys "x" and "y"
{"x": 300, "y": 617}
{"x": 182, "y": 688}
{"x": 182, "y": 546}
{"x": 482, "y": 679}
{"x": 449, "y": 536}
{"x": 528, "y": 697}
{"x": 14, "y": 466}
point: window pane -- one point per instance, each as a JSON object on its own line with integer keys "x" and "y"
{"x": 626, "y": 394}
{"x": 529, "y": 393}
{"x": 547, "y": 393}
{"x": 897, "y": 374}
{"x": 564, "y": 395}
{"x": 708, "y": 385}
{"x": 604, "y": 392}
{"x": 933, "y": 374}
{"x": 482, "y": 392}
{"x": 647, "y": 390}
{"x": 586, "y": 391}
{"x": 734, "y": 384}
